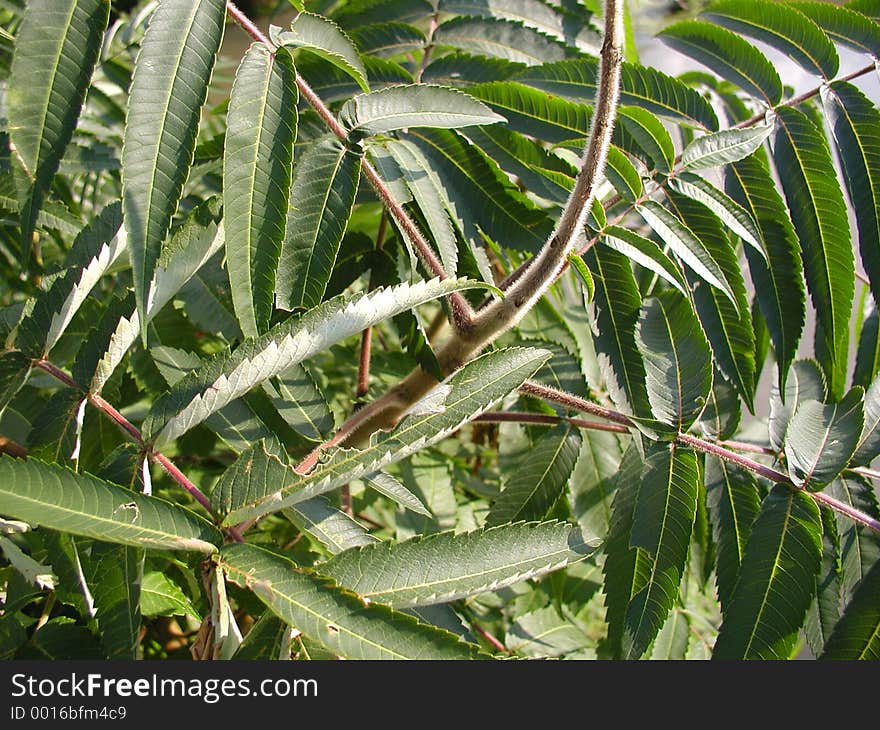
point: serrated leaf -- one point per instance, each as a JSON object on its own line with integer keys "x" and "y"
{"x": 855, "y": 122}
{"x": 430, "y": 195}
{"x": 50, "y": 495}
{"x": 299, "y": 402}
{"x": 614, "y": 312}
{"x": 859, "y": 545}
{"x": 649, "y": 134}
{"x": 337, "y": 618}
{"x": 543, "y": 633}
{"x": 468, "y": 392}
{"x": 776, "y": 579}
{"x": 115, "y": 574}
{"x": 229, "y": 375}
{"x": 822, "y": 437}
{"x": 321, "y": 201}
{"x": 14, "y": 369}
{"x": 484, "y": 198}
{"x": 663, "y": 518}
{"x": 332, "y": 84}
{"x": 867, "y": 7}
{"x": 820, "y": 219}
{"x": 532, "y": 112}
{"x": 678, "y": 362}
{"x": 686, "y": 246}
{"x": 418, "y": 105}
{"x": 623, "y": 175}
{"x": 728, "y": 211}
{"x": 538, "y": 479}
{"x": 843, "y": 25}
{"x": 869, "y": 442}
{"x": 265, "y": 639}
{"x": 447, "y": 566}
{"x": 857, "y": 634}
{"x": 389, "y": 487}
{"x": 329, "y": 525}
{"x": 625, "y": 569}
{"x": 463, "y": 69}
{"x": 256, "y": 471}
{"x": 782, "y": 27}
{"x": 168, "y": 88}
{"x": 805, "y": 382}
{"x": 726, "y": 146}
{"x": 867, "y": 363}
{"x": 161, "y": 596}
{"x": 257, "y": 157}
{"x": 387, "y": 40}
{"x": 97, "y": 247}
{"x": 727, "y": 54}
{"x": 592, "y": 483}
{"x": 824, "y": 611}
{"x": 727, "y": 327}
{"x": 569, "y": 24}
{"x": 779, "y": 287}
{"x": 733, "y": 502}
{"x": 645, "y": 252}
{"x": 672, "y": 640}
{"x": 324, "y": 38}
{"x": 56, "y": 49}
{"x": 641, "y": 86}
{"x": 501, "y": 38}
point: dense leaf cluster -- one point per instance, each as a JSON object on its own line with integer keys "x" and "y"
{"x": 215, "y": 271}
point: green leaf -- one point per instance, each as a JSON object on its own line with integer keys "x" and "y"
{"x": 15, "y": 367}
{"x": 543, "y": 633}
{"x": 645, "y": 252}
{"x": 389, "y": 487}
{"x": 857, "y": 634}
{"x": 821, "y": 221}
{"x": 56, "y": 49}
{"x": 663, "y": 518}
{"x": 447, "y": 566}
{"x": 97, "y": 247}
{"x": 821, "y": 438}
{"x": 418, "y": 105}
{"x": 678, "y": 362}
{"x": 485, "y": 200}
{"x": 625, "y": 568}
{"x": 229, "y": 375}
{"x": 727, "y": 327}
{"x": 613, "y": 315}
{"x": 299, "y": 402}
{"x": 330, "y": 526}
{"x": 779, "y": 287}
{"x": 726, "y": 146}
{"x": 824, "y": 611}
{"x": 334, "y": 617}
{"x": 500, "y": 38}
{"x": 782, "y": 27}
{"x": 321, "y": 202}
{"x": 387, "y": 40}
{"x": 867, "y": 363}
{"x": 536, "y": 481}
{"x": 356, "y": 14}
{"x": 443, "y": 410}
{"x": 332, "y": 84}
{"x": 257, "y": 158}
{"x": 161, "y": 596}
{"x": 592, "y": 483}
{"x": 866, "y": 7}
{"x": 728, "y": 211}
{"x": 649, "y": 134}
{"x": 168, "y": 88}
{"x": 265, "y": 639}
{"x": 733, "y": 502}
{"x": 255, "y": 473}
{"x": 580, "y": 268}
{"x": 641, "y": 86}
{"x": 115, "y": 574}
{"x": 727, "y": 54}
{"x": 776, "y": 579}
{"x": 845, "y": 26}
{"x": 805, "y": 382}
{"x": 568, "y": 23}
{"x": 535, "y": 113}
{"x": 324, "y": 38}
{"x": 623, "y": 175}
{"x": 859, "y": 544}
{"x": 55, "y": 497}
{"x": 869, "y": 442}
{"x": 463, "y": 69}
{"x": 855, "y": 124}
{"x": 686, "y": 245}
